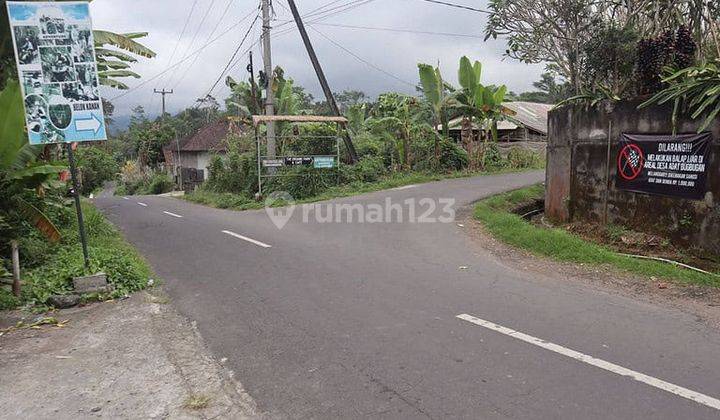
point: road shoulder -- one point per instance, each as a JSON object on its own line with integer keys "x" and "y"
{"x": 135, "y": 358}
{"x": 703, "y": 302}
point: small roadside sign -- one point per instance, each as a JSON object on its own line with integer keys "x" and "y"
{"x": 298, "y": 160}
{"x": 57, "y": 69}
{"x": 273, "y": 163}
{"x": 324, "y": 162}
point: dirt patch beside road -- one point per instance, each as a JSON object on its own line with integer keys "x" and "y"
{"x": 135, "y": 358}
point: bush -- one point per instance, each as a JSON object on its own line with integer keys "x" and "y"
{"x": 301, "y": 181}
{"x": 109, "y": 253}
{"x": 519, "y": 158}
{"x": 492, "y": 158}
{"x": 368, "y": 169}
{"x": 452, "y": 156}
{"x": 160, "y": 183}
{"x": 96, "y": 166}
{"x": 234, "y": 173}
{"x": 7, "y": 300}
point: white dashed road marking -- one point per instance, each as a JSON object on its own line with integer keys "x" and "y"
{"x": 142, "y": 204}
{"x": 406, "y": 187}
{"x": 245, "y": 238}
{"x": 610, "y": 367}
{"x": 125, "y": 198}
{"x": 172, "y": 214}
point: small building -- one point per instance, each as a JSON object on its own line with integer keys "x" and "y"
{"x": 197, "y": 149}
{"x": 528, "y": 123}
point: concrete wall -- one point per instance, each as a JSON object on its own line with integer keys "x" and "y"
{"x": 580, "y": 180}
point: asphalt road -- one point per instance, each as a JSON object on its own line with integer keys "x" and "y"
{"x": 353, "y": 320}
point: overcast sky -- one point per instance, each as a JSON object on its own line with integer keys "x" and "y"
{"x": 394, "y": 53}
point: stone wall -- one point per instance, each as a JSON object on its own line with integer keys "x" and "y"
{"x": 580, "y": 178}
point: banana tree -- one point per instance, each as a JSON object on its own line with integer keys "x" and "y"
{"x": 21, "y": 175}
{"x": 115, "y": 62}
{"x": 477, "y": 102}
{"x": 434, "y": 90}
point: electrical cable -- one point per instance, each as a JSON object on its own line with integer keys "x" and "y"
{"x": 185, "y": 58}
{"x": 197, "y": 32}
{"x": 411, "y": 31}
{"x": 357, "y": 57}
{"x": 459, "y": 6}
{"x": 234, "y": 55}
{"x": 192, "y": 63}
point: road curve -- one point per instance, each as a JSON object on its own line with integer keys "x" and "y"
{"x": 353, "y": 320}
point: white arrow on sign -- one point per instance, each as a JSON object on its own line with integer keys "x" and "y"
{"x": 87, "y": 124}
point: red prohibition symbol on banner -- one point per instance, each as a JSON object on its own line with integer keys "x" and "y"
{"x": 630, "y": 162}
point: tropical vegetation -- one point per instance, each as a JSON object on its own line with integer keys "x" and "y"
{"x": 35, "y": 209}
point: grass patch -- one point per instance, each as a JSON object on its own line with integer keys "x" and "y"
{"x": 399, "y": 179}
{"x": 561, "y": 245}
{"x": 197, "y": 402}
{"x": 109, "y": 253}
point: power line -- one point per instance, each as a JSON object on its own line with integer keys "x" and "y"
{"x": 328, "y": 12}
{"x": 177, "y": 43}
{"x": 348, "y": 6}
{"x": 192, "y": 63}
{"x": 234, "y": 55}
{"x": 187, "y": 57}
{"x": 459, "y": 6}
{"x": 197, "y": 32}
{"x": 412, "y": 31}
{"x": 357, "y": 57}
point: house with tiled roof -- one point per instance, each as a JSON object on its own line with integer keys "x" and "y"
{"x": 197, "y": 149}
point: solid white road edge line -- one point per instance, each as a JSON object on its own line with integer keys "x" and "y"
{"x": 610, "y": 367}
{"x": 172, "y": 214}
{"x": 142, "y": 204}
{"x": 245, "y": 238}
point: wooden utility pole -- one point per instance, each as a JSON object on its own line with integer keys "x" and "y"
{"x": 321, "y": 76}
{"x": 267, "y": 59}
{"x": 178, "y": 170}
{"x": 16, "y": 268}
{"x": 163, "y": 93}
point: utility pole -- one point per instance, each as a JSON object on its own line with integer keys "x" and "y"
{"x": 267, "y": 59}
{"x": 163, "y": 93}
{"x": 321, "y": 77}
{"x": 178, "y": 171}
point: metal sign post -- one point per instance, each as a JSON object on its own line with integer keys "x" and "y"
{"x": 273, "y": 163}
{"x": 78, "y": 207}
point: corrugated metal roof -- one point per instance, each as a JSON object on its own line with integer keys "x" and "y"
{"x": 530, "y": 114}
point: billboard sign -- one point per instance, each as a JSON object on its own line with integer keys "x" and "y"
{"x": 57, "y": 70}
{"x": 670, "y": 165}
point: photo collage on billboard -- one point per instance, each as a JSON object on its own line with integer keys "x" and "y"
{"x": 58, "y": 72}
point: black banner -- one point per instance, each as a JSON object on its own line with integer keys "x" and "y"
{"x": 668, "y": 165}
{"x": 298, "y": 160}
